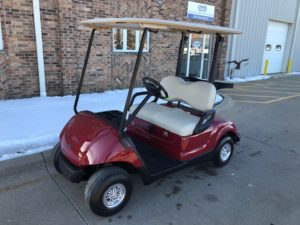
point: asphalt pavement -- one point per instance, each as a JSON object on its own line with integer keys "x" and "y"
{"x": 260, "y": 186}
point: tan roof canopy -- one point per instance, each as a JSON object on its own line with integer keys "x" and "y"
{"x": 157, "y": 24}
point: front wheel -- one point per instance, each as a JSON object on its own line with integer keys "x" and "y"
{"x": 224, "y": 151}
{"x": 108, "y": 190}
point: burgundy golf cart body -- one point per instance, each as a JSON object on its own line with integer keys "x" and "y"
{"x": 104, "y": 146}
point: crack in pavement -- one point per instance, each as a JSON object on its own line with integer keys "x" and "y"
{"x": 62, "y": 191}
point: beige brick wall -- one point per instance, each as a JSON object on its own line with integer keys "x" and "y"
{"x": 65, "y": 41}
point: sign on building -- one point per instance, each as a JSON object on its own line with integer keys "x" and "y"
{"x": 200, "y": 11}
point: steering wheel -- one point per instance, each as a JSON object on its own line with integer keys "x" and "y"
{"x": 155, "y": 88}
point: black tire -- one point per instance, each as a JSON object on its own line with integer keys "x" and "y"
{"x": 100, "y": 182}
{"x": 56, "y": 152}
{"x": 227, "y": 142}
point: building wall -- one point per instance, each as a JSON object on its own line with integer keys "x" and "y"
{"x": 296, "y": 55}
{"x": 295, "y": 52}
{"x": 252, "y": 18}
{"x": 19, "y": 49}
{"x": 65, "y": 41}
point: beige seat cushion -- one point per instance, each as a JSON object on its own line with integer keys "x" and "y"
{"x": 148, "y": 110}
{"x": 177, "y": 121}
{"x": 200, "y": 95}
{"x": 172, "y": 119}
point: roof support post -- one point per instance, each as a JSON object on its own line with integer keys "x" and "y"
{"x": 216, "y": 58}
{"x": 183, "y": 40}
{"x": 133, "y": 80}
{"x": 83, "y": 70}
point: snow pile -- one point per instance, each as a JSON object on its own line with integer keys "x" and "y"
{"x": 33, "y": 125}
{"x": 246, "y": 79}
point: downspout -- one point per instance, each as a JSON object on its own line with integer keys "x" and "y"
{"x": 39, "y": 47}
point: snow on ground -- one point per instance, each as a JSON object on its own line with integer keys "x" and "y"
{"x": 246, "y": 79}
{"x": 33, "y": 125}
{"x": 294, "y": 73}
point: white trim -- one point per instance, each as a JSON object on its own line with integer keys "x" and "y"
{"x": 127, "y": 51}
{"x": 125, "y": 41}
{"x": 188, "y": 56}
{"x": 137, "y": 40}
{"x": 39, "y": 47}
{"x": 209, "y": 55}
{"x": 202, "y": 55}
{"x": 1, "y": 38}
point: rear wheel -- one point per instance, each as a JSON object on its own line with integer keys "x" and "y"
{"x": 108, "y": 190}
{"x": 224, "y": 151}
{"x": 55, "y": 156}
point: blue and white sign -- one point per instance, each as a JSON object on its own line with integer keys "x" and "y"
{"x": 200, "y": 11}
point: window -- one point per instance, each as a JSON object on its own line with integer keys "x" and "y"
{"x": 128, "y": 40}
{"x": 278, "y": 47}
{"x": 1, "y": 40}
{"x": 268, "y": 47}
{"x": 196, "y": 56}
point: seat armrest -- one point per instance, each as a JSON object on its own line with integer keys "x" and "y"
{"x": 205, "y": 121}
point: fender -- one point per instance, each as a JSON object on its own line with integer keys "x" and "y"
{"x": 86, "y": 140}
{"x": 227, "y": 128}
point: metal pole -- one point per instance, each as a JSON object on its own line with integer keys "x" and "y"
{"x": 181, "y": 48}
{"x": 136, "y": 111}
{"x": 133, "y": 80}
{"x": 216, "y": 58}
{"x": 202, "y": 55}
{"x": 83, "y": 70}
{"x": 187, "y": 73}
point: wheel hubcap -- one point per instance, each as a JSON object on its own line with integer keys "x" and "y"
{"x": 114, "y": 195}
{"x": 225, "y": 152}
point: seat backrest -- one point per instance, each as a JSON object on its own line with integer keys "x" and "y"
{"x": 200, "y": 94}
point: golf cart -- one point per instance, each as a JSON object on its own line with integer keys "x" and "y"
{"x": 147, "y": 138}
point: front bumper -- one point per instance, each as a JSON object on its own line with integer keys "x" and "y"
{"x": 70, "y": 171}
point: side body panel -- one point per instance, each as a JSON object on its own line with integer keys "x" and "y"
{"x": 181, "y": 148}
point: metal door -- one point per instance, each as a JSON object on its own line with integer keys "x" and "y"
{"x": 274, "y": 47}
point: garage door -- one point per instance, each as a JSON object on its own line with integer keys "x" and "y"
{"x": 274, "y": 47}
